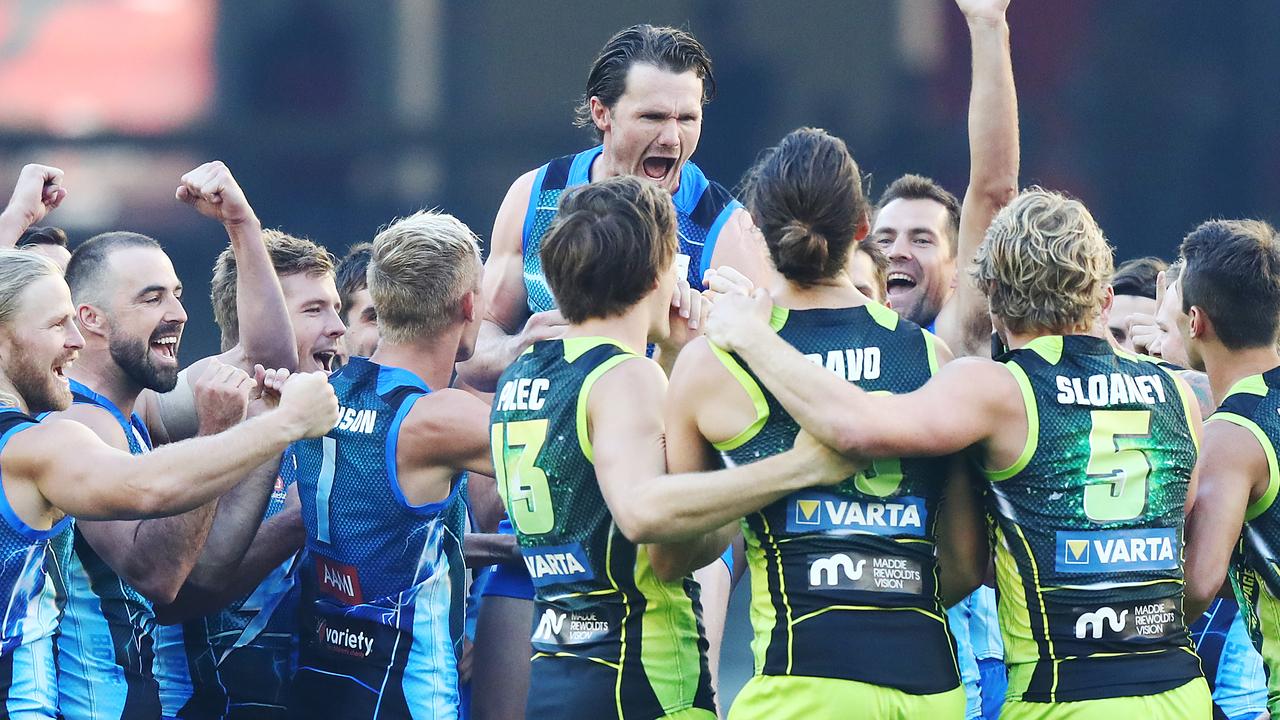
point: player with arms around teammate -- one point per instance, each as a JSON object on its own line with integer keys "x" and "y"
{"x": 853, "y": 561}
{"x": 577, "y": 442}
{"x": 1230, "y": 286}
{"x": 1088, "y": 453}
{"x": 383, "y": 493}
{"x": 60, "y": 467}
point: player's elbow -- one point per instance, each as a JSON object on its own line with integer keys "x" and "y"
{"x": 158, "y": 582}
{"x": 994, "y": 191}
{"x": 1202, "y": 586}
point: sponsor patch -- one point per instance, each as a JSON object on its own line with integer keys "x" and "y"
{"x": 344, "y": 640}
{"x": 557, "y": 564}
{"x": 858, "y": 571}
{"x": 1154, "y": 619}
{"x": 816, "y": 511}
{"x": 338, "y": 580}
{"x": 1111, "y": 551}
{"x": 571, "y": 628}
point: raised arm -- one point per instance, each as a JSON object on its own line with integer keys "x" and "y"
{"x": 651, "y": 506}
{"x": 1232, "y": 472}
{"x": 99, "y": 482}
{"x": 266, "y": 335}
{"x": 980, "y": 396}
{"x": 993, "y": 169}
{"x": 38, "y": 191}
{"x": 507, "y": 328}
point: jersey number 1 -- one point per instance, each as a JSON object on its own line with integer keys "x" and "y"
{"x": 1118, "y": 467}
{"x": 522, "y": 484}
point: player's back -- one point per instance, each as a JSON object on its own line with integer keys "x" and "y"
{"x": 702, "y": 208}
{"x": 1088, "y": 526}
{"x": 382, "y": 590}
{"x": 610, "y": 640}
{"x": 106, "y": 638}
{"x": 845, "y": 577}
{"x": 1254, "y": 404}
{"x": 28, "y": 680}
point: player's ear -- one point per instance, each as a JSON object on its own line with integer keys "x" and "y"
{"x": 1107, "y": 300}
{"x": 468, "y": 305}
{"x": 1198, "y": 322}
{"x": 600, "y": 114}
{"x": 91, "y": 319}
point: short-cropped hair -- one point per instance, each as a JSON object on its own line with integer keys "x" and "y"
{"x": 420, "y": 267}
{"x": 1138, "y": 277}
{"x": 1045, "y": 265}
{"x": 603, "y": 252}
{"x": 1232, "y": 272}
{"x": 289, "y": 256}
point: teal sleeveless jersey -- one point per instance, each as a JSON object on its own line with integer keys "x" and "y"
{"x": 610, "y": 640}
{"x": 1087, "y": 526}
{"x": 106, "y": 639}
{"x": 1254, "y": 404}
{"x": 844, "y": 579}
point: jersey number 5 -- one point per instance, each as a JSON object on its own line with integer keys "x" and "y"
{"x": 1118, "y": 467}
{"x": 522, "y": 484}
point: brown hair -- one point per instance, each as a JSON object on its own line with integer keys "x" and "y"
{"x": 806, "y": 197}
{"x": 419, "y": 268}
{"x": 1232, "y": 273}
{"x": 603, "y": 252}
{"x": 919, "y": 187}
{"x": 666, "y": 48}
{"x": 289, "y": 256}
{"x": 879, "y": 264}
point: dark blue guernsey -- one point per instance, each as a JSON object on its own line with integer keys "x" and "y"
{"x": 107, "y": 630}
{"x": 383, "y": 585}
{"x": 239, "y": 662}
{"x": 28, "y": 681}
{"x": 702, "y": 209}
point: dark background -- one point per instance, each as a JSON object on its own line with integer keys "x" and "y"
{"x": 339, "y": 115}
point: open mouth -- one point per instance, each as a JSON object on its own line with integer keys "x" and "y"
{"x": 899, "y": 283}
{"x": 60, "y": 370}
{"x": 658, "y": 168}
{"x": 166, "y": 346}
{"x": 325, "y": 359}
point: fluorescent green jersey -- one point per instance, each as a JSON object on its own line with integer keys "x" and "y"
{"x": 844, "y": 578}
{"x": 1088, "y": 523}
{"x": 610, "y": 640}
{"x": 1254, "y": 404}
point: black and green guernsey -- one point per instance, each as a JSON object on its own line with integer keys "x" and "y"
{"x": 844, "y": 579}
{"x": 610, "y": 639}
{"x": 1088, "y": 525}
{"x": 1253, "y": 403}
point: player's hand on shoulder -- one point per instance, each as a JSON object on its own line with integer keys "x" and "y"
{"x": 828, "y": 466}
{"x": 38, "y": 190}
{"x": 214, "y": 193}
{"x": 545, "y": 325}
{"x": 308, "y": 404}
{"x": 222, "y": 396}
{"x": 734, "y": 317}
{"x": 725, "y": 281}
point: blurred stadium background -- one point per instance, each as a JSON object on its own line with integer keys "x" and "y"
{"x": 338, "y": 115}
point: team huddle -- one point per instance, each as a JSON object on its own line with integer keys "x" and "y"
{"x": 971, "y": 468}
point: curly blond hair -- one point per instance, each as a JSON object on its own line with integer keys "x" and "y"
{"x": 1045, "y": 265}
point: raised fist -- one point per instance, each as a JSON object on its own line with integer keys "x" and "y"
{"x": 212, "y": 191}
{"x": 222, "y": 395}
{"x": 38, "y": 190}
{"x": 309, "y": 405}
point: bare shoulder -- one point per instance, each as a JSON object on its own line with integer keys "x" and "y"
{"x": 700, "y": 372}
{"x": 508, "y": 224}
{"x": 53, "y": 437}
{"x": 445, "y": 414}
{"x": 98, "y": 420}
{"x": 989, "y": 382}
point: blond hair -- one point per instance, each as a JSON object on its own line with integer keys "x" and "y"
{"x": 18, "y": 270}
{"x": 1045, "y": 265}
{"x": 421, "y": 265}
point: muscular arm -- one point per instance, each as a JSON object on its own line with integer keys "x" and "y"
{"x": 651, "y": 506}
{"x": 279, "y": 538}
{"x": 1233, "y": 472}
{"x": 445, "y": 433}
{"x": 688, "y": 452}
{"x": 506, "y": 309}
{"x": 993, "y": 170}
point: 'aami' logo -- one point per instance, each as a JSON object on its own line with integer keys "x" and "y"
{"x": 338, "y": 580}
{"x": 816, "y": 511}
{"x": 827, "y": 571}
{"x": 343, "y": 640}
{"x": 1092, "y": 623}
